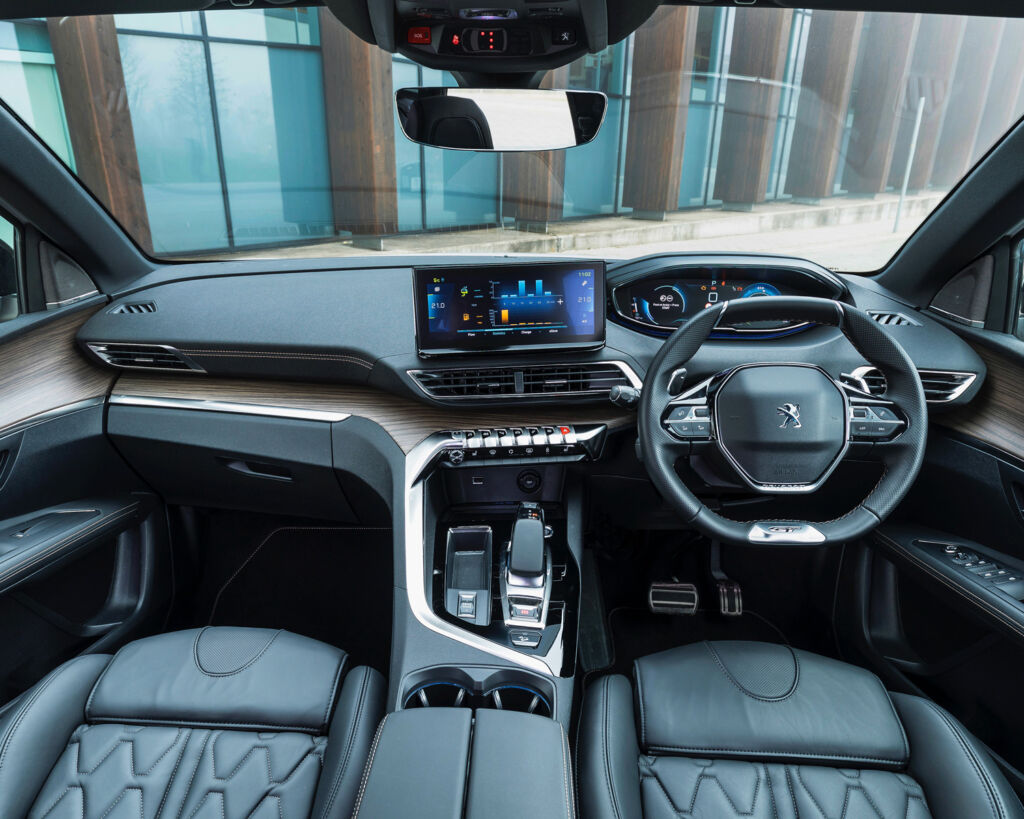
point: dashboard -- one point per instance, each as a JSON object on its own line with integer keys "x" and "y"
{"x": 526, "y": 330}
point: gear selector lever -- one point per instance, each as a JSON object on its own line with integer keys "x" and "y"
{"x": 525, "y": 575}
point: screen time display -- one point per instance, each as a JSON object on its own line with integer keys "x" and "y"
{"x": 510, "y": 307}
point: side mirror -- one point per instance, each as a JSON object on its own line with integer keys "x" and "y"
{"x": 500, "y": 119}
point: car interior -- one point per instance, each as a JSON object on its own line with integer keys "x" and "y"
{"x": 539, "y": 408}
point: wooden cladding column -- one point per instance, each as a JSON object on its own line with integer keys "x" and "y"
{"x": 969, "y": 94}
{"x": 760, "y": 42}
{"x": 663, "y": 50}
{"x": 887, "y": 48}
{"x": 359, "y": 106}
{"x": 533, "y": 182}
{"x": 931, "y": 72}
{"x": 88, "y": 63}
{"x": 824, "y": 97}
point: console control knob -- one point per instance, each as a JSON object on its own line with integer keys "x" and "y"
{"x": 528, "y": 481}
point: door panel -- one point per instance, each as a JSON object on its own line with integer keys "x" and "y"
{"x": 83, "y": 549}
{"x": 936, "y": 603}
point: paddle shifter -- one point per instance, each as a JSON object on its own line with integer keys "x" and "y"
{"x": 526, "y": 570}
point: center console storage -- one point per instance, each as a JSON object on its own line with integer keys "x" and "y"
{"x": 439, "y": 763}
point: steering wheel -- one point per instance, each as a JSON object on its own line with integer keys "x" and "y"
{"x": 783, "y": 427}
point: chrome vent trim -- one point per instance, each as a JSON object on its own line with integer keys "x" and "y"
{"x": 134, "y": 308}
{"x": 892, "y": 318}
{"x": 130, "y": 356}
{"x": 595, "y": 378}
{"x": 940, "y": 386}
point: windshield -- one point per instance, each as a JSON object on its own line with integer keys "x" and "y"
{"x": 249, "y": 133}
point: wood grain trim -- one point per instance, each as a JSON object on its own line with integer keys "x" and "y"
{"x": 996, "y": 414}
{"x": 407, "y": 421}
{"x": 44, "y": 369}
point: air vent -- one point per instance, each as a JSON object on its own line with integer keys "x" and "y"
{"x": 144, "y": 357}
{"x": 134, "y": 308}
{"x": 940, "y": 386}
{"x": 525, "y": 382}
{"x": 893, "y": 319}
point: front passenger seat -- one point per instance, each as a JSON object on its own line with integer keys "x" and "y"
{"x": 214, "y": 722}
{"x": 732, "y": 729}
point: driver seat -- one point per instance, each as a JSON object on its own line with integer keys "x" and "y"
{"x": 730, "y": 729}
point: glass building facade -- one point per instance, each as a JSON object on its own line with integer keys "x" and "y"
{"x": 228, "y": 112}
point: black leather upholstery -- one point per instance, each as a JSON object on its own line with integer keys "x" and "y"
{"x": 735, "y": 729}
{"x": 447, "y": 763}
{"x": 213, "y": 722}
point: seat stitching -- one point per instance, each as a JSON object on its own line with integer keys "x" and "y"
{"x": 990, "y": 790}
{"x": 661, "y": 787}
{"x": 191, "y": 779}
{"x": 313, "y": 751}
{"x": 604, "y": 749}
{"x": 240, "y": 669}
{"x": 751, "y": 694}
{"x": 370, "y": 765}
{"x": 195, "y": 723}
{"x": 16, "y": 723}
{"x": 895, "y": 716}
{"x": 58, "y": 800}
{"x": 142, "y": 808}
{"x": 569, "y": 811}
{"x": 340, "y": 772}
{"x": 174, "y": 773}
{"x": 792, "y": 793}
{"x": 771, "y": 791}
{"x": 810, "y": 794}
{"x": 640, "y": 696}
{"x": 775, "y": 754}
{"x": 334, "y": 691}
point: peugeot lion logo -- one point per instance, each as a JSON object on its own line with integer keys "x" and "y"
{"x": 790, "y": 416}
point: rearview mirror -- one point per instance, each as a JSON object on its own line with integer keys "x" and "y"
{"x": 500, "y": 119}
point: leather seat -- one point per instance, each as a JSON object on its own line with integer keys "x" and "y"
{"x": 215, "y": 722}
{"x": 733, "y": 729}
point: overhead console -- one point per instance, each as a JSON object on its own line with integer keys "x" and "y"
{"x": 522, "y": 37}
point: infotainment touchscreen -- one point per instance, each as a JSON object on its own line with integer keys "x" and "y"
{"x": 509, "y": 307}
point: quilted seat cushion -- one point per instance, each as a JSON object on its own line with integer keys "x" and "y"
{"x": 145, "y": 771}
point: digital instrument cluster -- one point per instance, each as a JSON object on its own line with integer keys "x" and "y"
{"x": 509, "y": 307}
{"x": 666, "y": 301}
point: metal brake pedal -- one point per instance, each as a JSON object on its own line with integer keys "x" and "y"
{"x": 730, "y": 595}
{"x": 673, "y": 598}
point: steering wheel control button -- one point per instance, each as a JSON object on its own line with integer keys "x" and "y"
{"x": 874, "y": 423}
{"x": 689, "y": 423}
{"x": 783, "y": 427}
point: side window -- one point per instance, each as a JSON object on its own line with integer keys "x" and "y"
{"x": 9, "y": 278}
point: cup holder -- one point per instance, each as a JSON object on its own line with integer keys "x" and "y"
{"x": 480, "y": 687}
{"x": 439, "y": 695}
{"x": 518, "y": 698}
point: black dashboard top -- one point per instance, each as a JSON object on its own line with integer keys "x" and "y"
{"x": 354, "y": 321}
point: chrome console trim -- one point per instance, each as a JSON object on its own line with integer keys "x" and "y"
{"x": 417, "y": 468}
{"x": 236, "y": 407}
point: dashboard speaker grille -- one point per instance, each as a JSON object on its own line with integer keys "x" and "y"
{"x": 940, "y": 386}
{"x": 143, "y": 357}
{"x": 592, "y": 379}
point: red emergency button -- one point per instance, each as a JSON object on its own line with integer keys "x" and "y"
{"x": 419, "y": 35}
{"x": 564, "y": 430}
